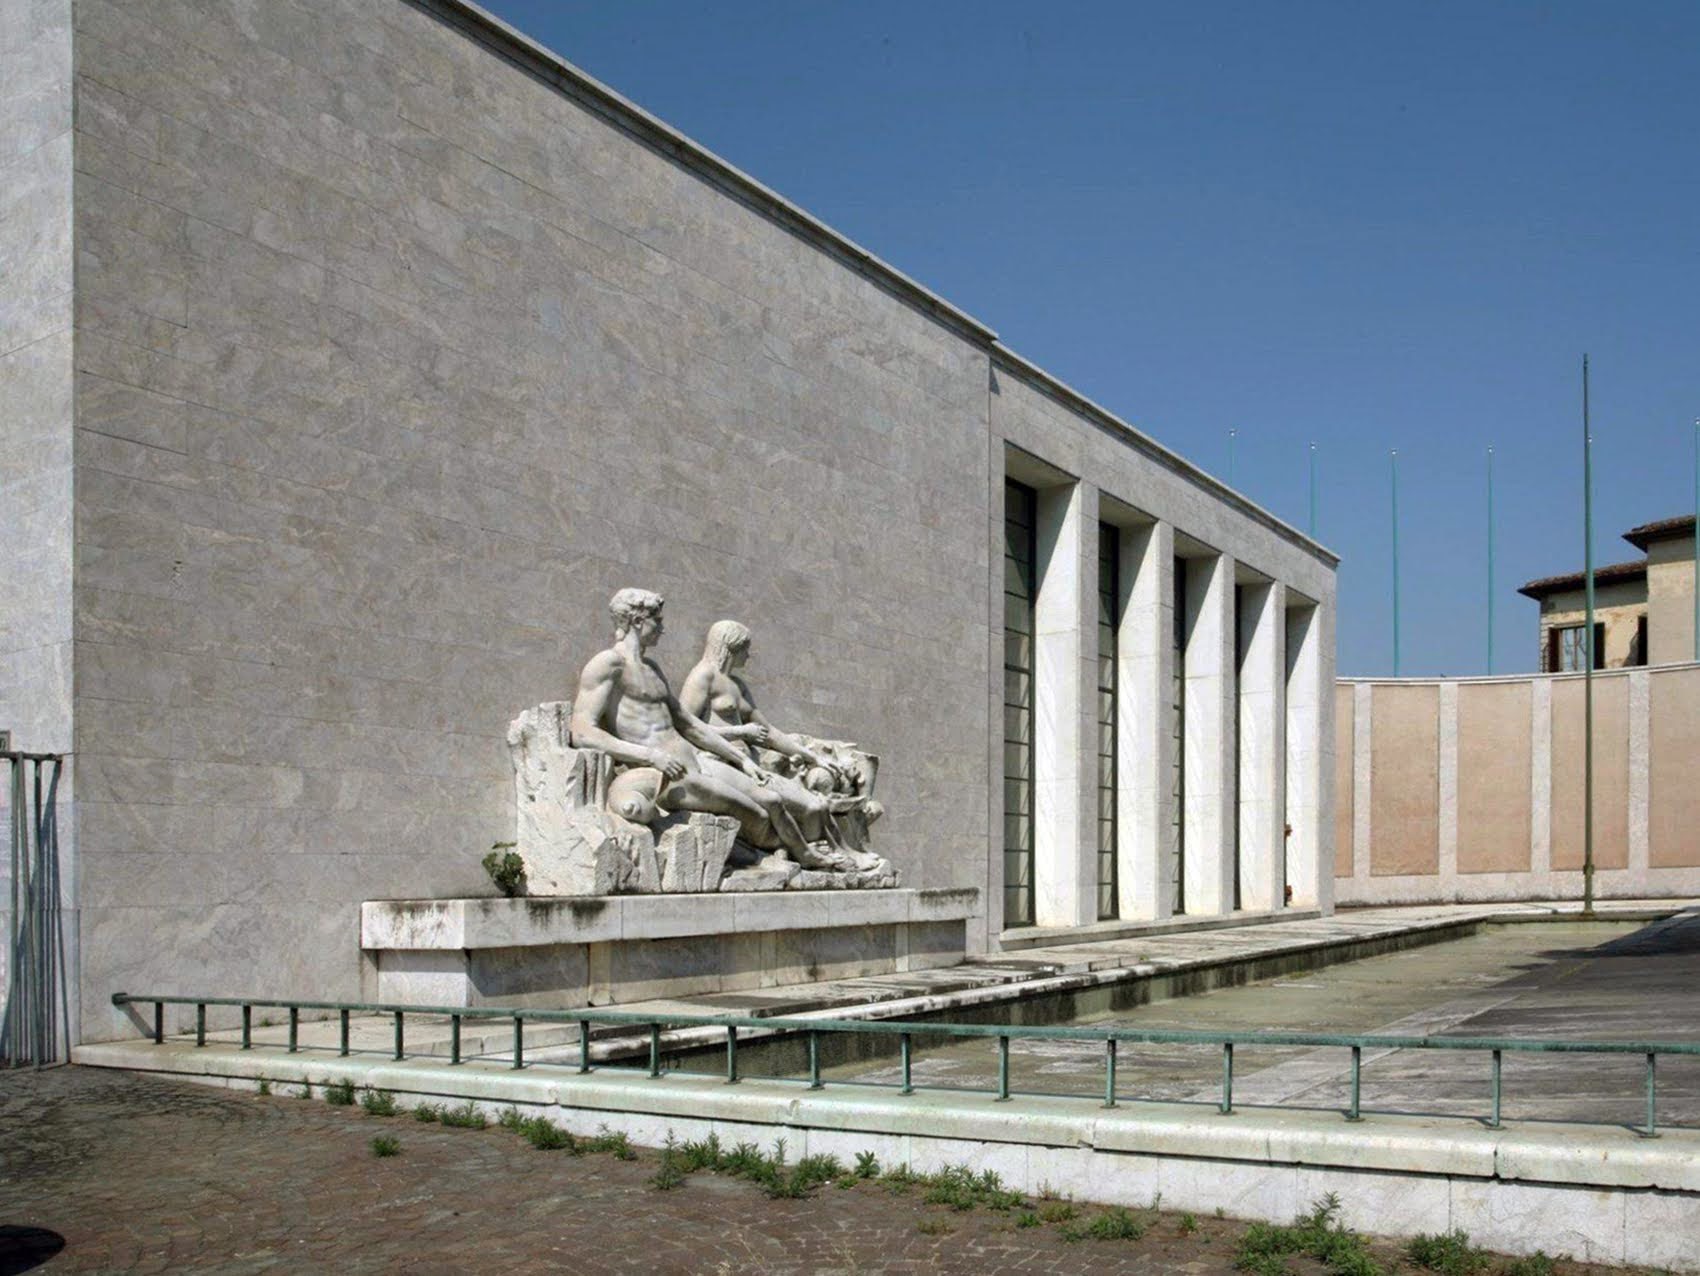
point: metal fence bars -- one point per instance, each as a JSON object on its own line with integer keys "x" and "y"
{"x": 36, "y": 1020}
{"x": 1110, "y": 1037}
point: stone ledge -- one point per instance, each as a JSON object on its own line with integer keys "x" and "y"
{"x": 463, "y": 924}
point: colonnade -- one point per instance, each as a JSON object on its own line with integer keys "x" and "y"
{"x": 1165, "y": 721}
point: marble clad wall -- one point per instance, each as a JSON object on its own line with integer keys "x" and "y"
{"x": 35, "y": 393}
{"x": 1404, "y": 796}
{"x": 1509, "y": 785}
{"x": 395, "y": 359}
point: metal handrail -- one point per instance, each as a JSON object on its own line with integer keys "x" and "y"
{"x": 1109, "y": 1035}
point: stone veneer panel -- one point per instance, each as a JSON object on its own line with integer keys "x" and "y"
{"x": 1405, "y": 797}
{"x": 1343, "y": 768}
{"x": 1493, "y": 777}
{"x": 1674, "y": 798}
{"x": 1611, "y": 772}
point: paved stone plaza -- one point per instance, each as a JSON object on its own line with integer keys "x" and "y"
{"x": 140, "y": 1174}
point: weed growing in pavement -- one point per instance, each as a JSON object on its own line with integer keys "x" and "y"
{"x": 935, "y": 1226}
{"x": 1027, "y": 1218}
{"x": 264, "y": 1086}
{"x": 1449, "y": 1253}
{"x": 340, "y": 1093}
{"x": 867, "y": 1165}
{"x": 613, "y": 1141}
{"x": 1536, "y": 1264}
{"x": 962, "y": 1189}
{"x": 379, "y": 1103}
{"x": 1054, "y": 1211}
{"x": 1115, "y": 1224}
{"x": 1189, "y": 1224}
{"x": 306, "y": 1090}
{"x": 428, "y": 1112}
{"x": 465, "y": 1117}
{"x": 1265, "y": 1247}
{"x": 385, "y": 1145}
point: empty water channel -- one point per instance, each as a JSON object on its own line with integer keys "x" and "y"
{"x": 1546, "y": 980}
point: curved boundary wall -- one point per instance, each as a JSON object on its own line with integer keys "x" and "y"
{"x": 1472, "y": 788}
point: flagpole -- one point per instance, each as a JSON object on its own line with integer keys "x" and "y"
{"x": 1490, "y": 559}
{"x": 1587, "y": 655}
{"x": 1313, "y": 514}
{"x": 1393, "y": 474}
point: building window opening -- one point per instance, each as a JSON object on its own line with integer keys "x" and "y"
{"x": 1568, "y": 648}
{"x": 1109, "y": 622}
{"x": 1019, "y": 581}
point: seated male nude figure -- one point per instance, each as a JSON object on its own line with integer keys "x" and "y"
{"x": 625, "y": 709}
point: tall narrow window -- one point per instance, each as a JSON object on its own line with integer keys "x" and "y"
{"x": 1178, "y": 780}
{"x": 1020, "y": 508}
{"x": 1109, "y": 621}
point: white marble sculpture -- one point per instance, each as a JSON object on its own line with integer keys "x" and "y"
{"x": 627, "y": 789}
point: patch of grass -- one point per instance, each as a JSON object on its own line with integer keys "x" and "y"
{"x": 340, "y": 1093}
{"x": 612, "y": 1141}
{"x": 1449, "y": 1253}
{"x": 1265, "y": 1247}
{"x": 544, "y": 1135}
{"x": 385, "y": 1145}
{"x": 265, "y": 1086}
{"x": 1057, "y": 1211}
{"x": 901, "y": 1178}
{"x": 962, "y": 1189}
{"x": 1536, "y": 1264}
{"x": 1027, "y": 1218}
{"x": 668, "y": 1177}
{"x": 379, "y": 1103}
{"x": 844, "y": 1182}
{"x": 465, "y": 1117}
{"x": 1117, "y": 1224}
{"x": 867, "y": 1165}
{"x": 935, "y": 1226}
{"x": 306, "y": 1090}
{"x": 428, "y": 1112}
{"x": 1189, "y": 1224}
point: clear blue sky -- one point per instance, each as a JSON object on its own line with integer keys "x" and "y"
{"x": 1371, "y": 226}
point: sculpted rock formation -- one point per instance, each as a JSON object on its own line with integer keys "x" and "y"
{"x": 629, "y": 790}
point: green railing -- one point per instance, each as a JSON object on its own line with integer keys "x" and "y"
{"x": 1109, "y": 1035}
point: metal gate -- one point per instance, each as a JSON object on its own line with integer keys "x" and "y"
{"x": 35, "y": 1027}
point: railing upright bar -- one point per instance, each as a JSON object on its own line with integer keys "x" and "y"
{"x": 247, "y": 1027}
{"x": 731, "y": 1055}
{"x": 814, "y": 1061}
{"x": 159, "y": 1023}
{"x": 519, "y": 1041}
{"x": 1110, "y": 1072}
{"x": 1652, "y": 1130}
{"x": 654, "y": 1049}
{"x": 294, "y": 1028}
{"x": 1003, "y": 1070}
{"x": 1494, "y": 1123}
{"x": 1352, "y": 1113}
{"x": 908, "y": 1081}
{"x": 342, "y": 1034}
{"x": 398, "y": 1032}
{"x": 201, "y": 1024}
{"x": 1227, "y": 1078}
{"x": 584, "y": 1045}
{"x": 454, "y": 1038}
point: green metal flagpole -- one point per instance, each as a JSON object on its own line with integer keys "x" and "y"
{"x": 1313, "y": 509}
{"x": 1587, "y": 655}
{"x": 1393, "y": 473}
{"x": 1696, "y": 541}
{"x": 1490, "y": 559}
{"x": 1231, "y": 436}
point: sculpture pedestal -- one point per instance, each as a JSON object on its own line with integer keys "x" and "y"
{"x": 609, "y": 949}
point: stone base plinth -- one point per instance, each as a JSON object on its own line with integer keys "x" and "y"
{"x": 607, "y": 950}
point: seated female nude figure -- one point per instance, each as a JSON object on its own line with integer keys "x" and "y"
{"x": 714, "y": 693}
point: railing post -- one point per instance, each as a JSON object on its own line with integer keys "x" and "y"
{"x": 731, "y": 1055}
{"x": 1109, "y": 1072}
{"x": 519, "y": 1041}
{"x": 1494, "y": 1123}
{"x": 201, "y": 1024}
{"x": 342, "y": 1033}
{"x": 908, "y": 1083}
{"x": 584, "y": 1045}
{"x": 1003, "y": 1070}
{"x": 159, "y": 1023}
{"x": 398, "y": 1051}
{"x": 814, "y": 1060}
{"x": 1352, "y": 1113}
{"x": 247, "y": 1027}
{"x": 1652, "y": 1130}
{"x": 654, "y": 1049}
{"x": 294, "y": 1028}
{"x": 1227, "y": 1078}
{"x": 454, "y": 1039}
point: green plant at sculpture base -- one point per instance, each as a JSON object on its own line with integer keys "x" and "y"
{"x": 506, "y": 868}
